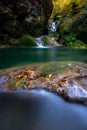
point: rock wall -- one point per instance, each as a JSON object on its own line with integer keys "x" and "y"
{"x": 18, "y": 17}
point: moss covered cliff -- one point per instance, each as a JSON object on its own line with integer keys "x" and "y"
{"x": 71, "y": 20}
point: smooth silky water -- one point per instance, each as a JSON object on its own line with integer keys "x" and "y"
{"x": 39, "y": 109}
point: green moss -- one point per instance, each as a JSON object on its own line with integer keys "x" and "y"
{"x": 73, "y": 23}
{"x": 53, "y": 34}
{"x": 79, "y": 44}
{"x": 45, "y": 40}
{"x": 53, "y": 68}
{"x": 76, "y": 44}
{"x": 48, "y": 40}
{"x": 71, "y": 42}
{"x": 26, "y": 40}
{"x": 59, "y": 67}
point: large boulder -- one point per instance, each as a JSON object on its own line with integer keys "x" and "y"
{"x": 67, "y": 79}
{"x": 20, "y": 17}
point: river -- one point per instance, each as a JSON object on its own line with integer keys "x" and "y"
{"x": 39, "y": 109}
{"x": 11, "y": 57}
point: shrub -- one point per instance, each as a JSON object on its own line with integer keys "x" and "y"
{"x": 79, "y": 44}
{"x": 72, "y": 42}
{"x": 26, "y": 40}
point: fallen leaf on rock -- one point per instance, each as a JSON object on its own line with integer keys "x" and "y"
{"x": 17, "y": 84}
{"x": 31, "y": 74}
{"x": 19, "y": 76}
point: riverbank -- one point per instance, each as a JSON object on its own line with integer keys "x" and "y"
{"x": 67, "y": 79}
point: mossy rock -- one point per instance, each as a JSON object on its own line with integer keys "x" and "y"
{"x": 46, "y": 40}
{"x": 50, "y": 40}
{"x": 26, "y": 40}
{"x": 58, "y": 67}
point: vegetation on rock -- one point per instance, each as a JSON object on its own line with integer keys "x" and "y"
{"x": 31, "y": 17}
{"x": 50, "y": 40}
{"x": 58, "y": 67}
{"x": 26, "y": 40}
{"x": 71, "y": 19}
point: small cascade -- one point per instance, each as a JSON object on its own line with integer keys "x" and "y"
{"x": 52, "y": 26}
{"x": 39, "y": 41}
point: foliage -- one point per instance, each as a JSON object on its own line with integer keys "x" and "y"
{"x": 26, "y": 40}
{"x": 53, "y": 34}
{"x": 71, "y": 16}
{"x": 70, "y": 38}
{"x": 72, "y": 42}
{"x": 45, "y": 40}
{"x": 22, "y": 80}
{"x": 64, "y": 6}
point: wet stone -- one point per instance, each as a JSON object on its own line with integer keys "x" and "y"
{"x": 70, "y": 84}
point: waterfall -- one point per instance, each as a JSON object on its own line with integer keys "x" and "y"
{"x": 52, "y": 26}
{"x": 39, "y": 41}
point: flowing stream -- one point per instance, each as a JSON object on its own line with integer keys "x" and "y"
{"x": 40, "y": 110}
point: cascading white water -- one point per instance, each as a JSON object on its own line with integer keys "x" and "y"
{"x": 39, "y": 41}
{"x": 52, "y": 27}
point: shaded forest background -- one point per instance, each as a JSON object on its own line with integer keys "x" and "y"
{"x": 23, "y": 20}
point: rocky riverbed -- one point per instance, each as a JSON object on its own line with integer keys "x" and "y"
{"x": 67, "y": 79}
